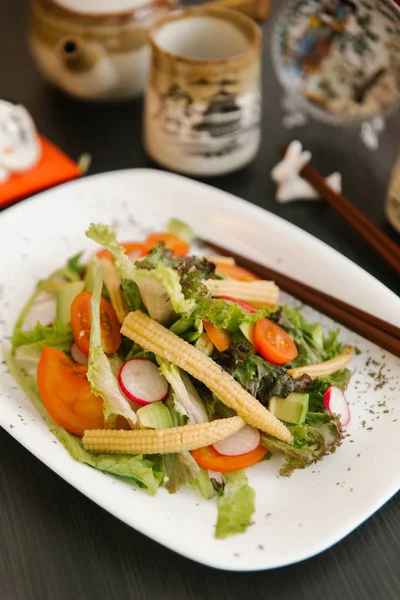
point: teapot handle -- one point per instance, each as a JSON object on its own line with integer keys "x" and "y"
{"x": 256, "y": 9}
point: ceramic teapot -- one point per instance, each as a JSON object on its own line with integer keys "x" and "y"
{"x": 99, "y": 50}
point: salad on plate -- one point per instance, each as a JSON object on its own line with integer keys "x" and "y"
{"x": 172, "y": 369}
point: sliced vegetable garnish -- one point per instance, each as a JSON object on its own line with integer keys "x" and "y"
{"x": 173, "y": 242}
{"x": 142, "y": 382}
{"x": 244, "y": 441}
{"x": 221, "y": 338}
{"x": 66, "y": 394}
{"x": 274, "y": 343}
{"x": 336, "y": 403}
{"x": 209, "y": 458}
{"x": 81, "y": 321}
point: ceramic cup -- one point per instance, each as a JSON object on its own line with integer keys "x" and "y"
{"x": 203, "y": 98}
{"x": 97, "y": 50}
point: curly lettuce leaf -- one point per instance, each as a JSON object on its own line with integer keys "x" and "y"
{"x": 179, "y": 469}
{"x": 236, "y": 506}
{"x": 135, "y": 468}
{"x": 106, "y": 237}
{"x": 320, "y": 435}
{"x": 186, "y": 398}
{"x": 203, "y": 484}
{"x": 103, "y": 381}
{"x": 259, "y": 377}
{"x": 319, "y": 386}
{"x": 161, "y": 292}
{"x": 132, "y": 295}
{"x": 58, "y": 335}
{"x": 76, "y": 265}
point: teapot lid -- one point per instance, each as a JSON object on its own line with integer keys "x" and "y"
{"x": 99, "y": 7}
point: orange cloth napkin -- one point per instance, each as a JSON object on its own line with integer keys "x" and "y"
{"x": 53, "y": 168}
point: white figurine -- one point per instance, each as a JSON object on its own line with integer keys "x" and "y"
{"x": 20, "y": 147}
{"x": 290, "y": 185}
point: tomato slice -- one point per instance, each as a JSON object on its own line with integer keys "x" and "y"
{"x": 274, "y": 343}
{"x": 221, "y": 338}
{"x": 173, "y": 242}
{"x": 81, "y": 322}
{"x": 132, "y": 249}
{"x": 209, "y": 458}
{"x": 66, "y": 394}
{"x": 236, "y": 272}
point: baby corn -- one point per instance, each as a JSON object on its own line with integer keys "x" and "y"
{"x": 160, "y": 441}
{"x": 255, "y": 292}
{"x": 154, "y": 337}
{"x": 113, "y": 284}
{"x": 325, "y": 368}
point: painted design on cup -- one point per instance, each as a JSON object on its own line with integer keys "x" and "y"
{"x": 203, "y": 105}
{"x": 217, "y": 126}
{"x": 341, "y": 57}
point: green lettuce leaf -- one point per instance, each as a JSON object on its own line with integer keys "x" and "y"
{"x": 332, "y": 345}
{"x": 132, "y": 295}
{"x": 90, "y": 274}
{"x": 58, "y": 335}
{"x": 76, "y": 265}
{"x": 106, "y": 237}
{"x": 187, "y": 401}
{"x": 179, "y": 469}
{"x": 203, "y": 484}
{"x": 182, "y": 230}
{"x": 320, "y": 435}
{"x": 101, "y": 376}
{"x": 259, "y": 377}
{"x": 136, "y": 468}
{"x": 318, "y": 387}
{"x": 236, "y": 506}
{"x": 161, "y": 292}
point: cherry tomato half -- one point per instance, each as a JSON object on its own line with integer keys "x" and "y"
{"x": 274, "y": 343}
{"x": 81, "y": 322}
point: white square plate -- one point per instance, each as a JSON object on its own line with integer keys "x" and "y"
{"x": 295, "y": 517}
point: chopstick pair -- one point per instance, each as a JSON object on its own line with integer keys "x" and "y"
{"x": 366, "y": 229}
{"x": 368, "y": 326}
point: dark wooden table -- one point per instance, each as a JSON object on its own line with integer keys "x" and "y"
{"x": 58, "y": 545}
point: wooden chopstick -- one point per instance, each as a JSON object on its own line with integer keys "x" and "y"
{"x": 375, "y": 237}
{"x": 369, "y": 326}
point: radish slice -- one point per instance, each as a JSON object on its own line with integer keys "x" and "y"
{"x": 243, "y": 441}
{"x": 142, "y": 382}
{"x": 336, "y": 403}
{"x": 78, "y": 356}
{"x": 42, "y": 310}
{"x": 249, "y": 309}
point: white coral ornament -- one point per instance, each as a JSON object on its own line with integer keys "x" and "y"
{"x": 290, "y": 185}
